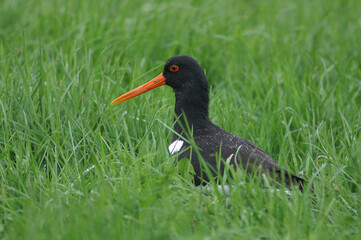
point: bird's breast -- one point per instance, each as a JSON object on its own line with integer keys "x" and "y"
{"x": 175, "y": 146}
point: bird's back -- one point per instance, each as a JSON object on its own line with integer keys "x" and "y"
{"x": 213, "y": 141}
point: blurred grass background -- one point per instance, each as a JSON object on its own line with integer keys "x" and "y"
{"x": 283, "y": 74}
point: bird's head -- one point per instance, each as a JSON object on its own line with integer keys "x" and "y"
{"x": 180, "y": 72}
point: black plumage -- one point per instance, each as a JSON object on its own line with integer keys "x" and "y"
{"x": 190, "y": 85}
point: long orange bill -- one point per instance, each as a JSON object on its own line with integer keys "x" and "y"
{"x": 154, "y": 83}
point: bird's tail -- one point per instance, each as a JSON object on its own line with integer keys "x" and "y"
{"x": 293, "y": 180}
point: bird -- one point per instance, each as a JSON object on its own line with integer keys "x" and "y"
{"x": 191, "y": 89}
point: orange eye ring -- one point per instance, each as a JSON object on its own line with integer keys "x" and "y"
{"x": 174, "y": 68}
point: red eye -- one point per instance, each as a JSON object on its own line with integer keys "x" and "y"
{"x": 174, "y": 68}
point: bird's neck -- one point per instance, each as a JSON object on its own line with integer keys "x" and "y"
{"x": 191, "y": 110}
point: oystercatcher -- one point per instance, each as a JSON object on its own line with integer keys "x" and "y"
{"x": 190, "y": 85}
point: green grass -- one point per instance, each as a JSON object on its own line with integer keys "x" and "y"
{"x": 283, "y": 74}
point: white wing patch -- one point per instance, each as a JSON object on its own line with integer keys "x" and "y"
{"x": 175, "y": 146}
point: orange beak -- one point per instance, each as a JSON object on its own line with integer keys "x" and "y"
{"x": 154, "y": 83}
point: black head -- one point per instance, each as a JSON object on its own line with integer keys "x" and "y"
{"x": 184, "y": 75}
{"x": 190, "y": 85}
{"x": 184, "y": 72}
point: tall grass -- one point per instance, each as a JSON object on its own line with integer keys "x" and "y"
{"x": 283, "y": 74}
